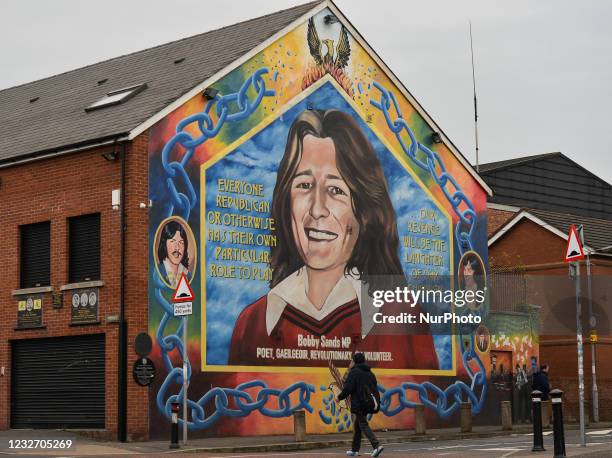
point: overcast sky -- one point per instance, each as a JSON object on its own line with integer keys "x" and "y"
{"x": 543, "y": 68}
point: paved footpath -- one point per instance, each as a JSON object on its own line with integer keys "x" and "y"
{"x": 483, "y": 442}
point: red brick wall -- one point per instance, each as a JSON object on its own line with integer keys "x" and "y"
{"x": 54, "y": 190}
{"x": 527, "y": 243}
{"x": 136, "y": 277}
{"x": 563, "y": 360}
{"x": 496, "y": 219}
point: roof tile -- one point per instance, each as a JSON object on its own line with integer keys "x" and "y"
{"x": 58, "y": 118}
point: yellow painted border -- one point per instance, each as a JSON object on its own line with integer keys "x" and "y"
{"x": 222, "y": 153}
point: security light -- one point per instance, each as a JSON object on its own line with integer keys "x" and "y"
{"x": 210, "y": 93}
{"x": 436, "y": 138}
{"x": 110, "y": 156}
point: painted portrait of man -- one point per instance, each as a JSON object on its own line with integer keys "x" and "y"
{"x": 336, "y": 230}
{"x": 173, "y": 253}
{"x": 472, "y": 276}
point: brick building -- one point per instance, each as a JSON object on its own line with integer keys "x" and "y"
{"x": 74, "y": 208}
{"x": 536, "y": 200}
{"x": 189, "y": 151}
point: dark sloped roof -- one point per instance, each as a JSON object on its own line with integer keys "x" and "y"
{"x": 509, "y": 162}
{"x": 597, "y": 232}
{"x": 551, "y": 182}
{"x": 57, "y": 119}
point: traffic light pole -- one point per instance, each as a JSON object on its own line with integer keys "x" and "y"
{"x": 580, "y": 353}
{"x": 592, "y": 324}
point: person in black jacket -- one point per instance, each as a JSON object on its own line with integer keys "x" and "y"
{"x": 540, "y": 382}
{"x": 360, "y": 380}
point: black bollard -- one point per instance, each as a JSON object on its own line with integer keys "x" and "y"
{"x": 559, "y": 436}
{"x": 174, "y": 432}
{"x": 538, "y": 438}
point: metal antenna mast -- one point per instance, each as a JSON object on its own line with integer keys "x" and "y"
{"x": 475, "y": 102}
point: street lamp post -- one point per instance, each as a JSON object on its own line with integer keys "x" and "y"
{"x": 592, "y": 325}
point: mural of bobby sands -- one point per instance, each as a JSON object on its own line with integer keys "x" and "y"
{"x": 335, "y": 228}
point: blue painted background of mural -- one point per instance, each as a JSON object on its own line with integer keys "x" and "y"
{"x": 257, "y": 161}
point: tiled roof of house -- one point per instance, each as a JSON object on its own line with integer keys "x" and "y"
{"x": 49, "y": 114}
{"x": 597, "y": 232}
{"x": 550, "y": 182}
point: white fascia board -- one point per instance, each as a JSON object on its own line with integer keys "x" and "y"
{"x": 507, "y": 208}
{"x": 357, "y": 36}
{"x": 526, "y": 215}
{"x": 220, "y": 74}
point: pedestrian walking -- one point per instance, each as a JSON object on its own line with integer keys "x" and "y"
{"x": 362, "y": 387}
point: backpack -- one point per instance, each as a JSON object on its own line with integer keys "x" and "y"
{"x": 371, "y": 399}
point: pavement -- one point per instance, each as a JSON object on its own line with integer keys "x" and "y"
{"x": 482, "y": 441}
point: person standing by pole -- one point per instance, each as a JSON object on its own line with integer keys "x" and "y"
{"x": 541, "y": 383}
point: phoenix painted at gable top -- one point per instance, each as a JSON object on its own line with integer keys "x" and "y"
{"x": 328, "y": 63}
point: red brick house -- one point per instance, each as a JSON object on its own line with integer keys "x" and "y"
{"x": 536, "y": 200}
{"x": 73, "y": 206}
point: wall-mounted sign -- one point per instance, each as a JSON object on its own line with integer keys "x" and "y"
{"x": 57, "y": 299}
{"x": 144, "y": 371}
{"x": 143, "y": 344}
{"x": 84, "y": 306}
{"x": 29, "y": 312}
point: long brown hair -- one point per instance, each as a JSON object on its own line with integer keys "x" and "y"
{"x": 376, "y": 249}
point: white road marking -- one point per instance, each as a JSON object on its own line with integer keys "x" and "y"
{"x": 441, "y": 447}
{"x": 601, "y": 432}
{"x": 544, "y": 433}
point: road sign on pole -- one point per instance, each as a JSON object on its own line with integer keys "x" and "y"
{"x": 574, "y": 254}
{"x": 574, "y": 251}
{"x": 183, "y": 292}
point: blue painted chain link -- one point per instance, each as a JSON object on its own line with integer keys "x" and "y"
{"x": 183, "y": 202}
{"x": 183, "y": 198}
{"x": 449, "y": 399}
{"x": 430, "y": 161}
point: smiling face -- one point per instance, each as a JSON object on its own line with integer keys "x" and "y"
{"x": 175, "y": 248}
{"x": 324, "y": 226}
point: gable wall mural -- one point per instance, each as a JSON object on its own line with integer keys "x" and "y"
{"x": 285, "y": 199}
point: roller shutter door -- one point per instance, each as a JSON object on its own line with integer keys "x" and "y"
{"x": 58, "y": 382}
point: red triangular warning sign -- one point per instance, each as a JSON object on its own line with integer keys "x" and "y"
{"x": 574, "y": 247}
{"x": 183, "y": 292}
